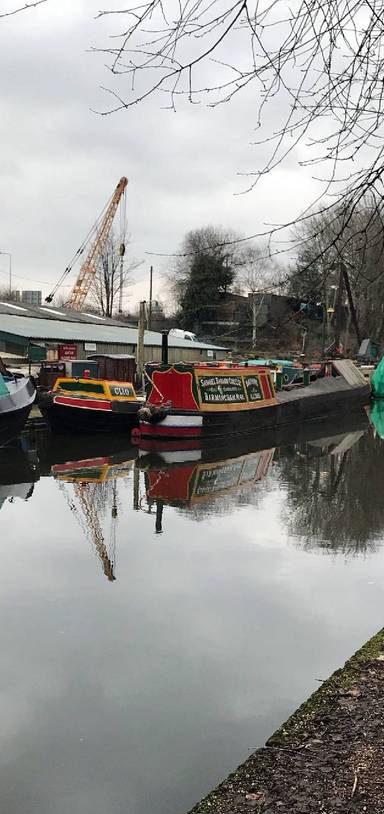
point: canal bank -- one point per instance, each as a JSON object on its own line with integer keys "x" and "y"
{"x": 327, "y": 757}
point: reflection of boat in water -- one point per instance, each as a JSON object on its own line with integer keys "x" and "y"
{"x": 263, "y": 439}
{"x": 186, "y": 478}
{"x": 18, "y": 474}
{"x": 53, "y": 450}
{"x": 192, "y": 482}
{"x": 93, "y": 470}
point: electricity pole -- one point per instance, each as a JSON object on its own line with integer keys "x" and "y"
{"x": 150, "y": 299}
{"x": 140, "y": 342}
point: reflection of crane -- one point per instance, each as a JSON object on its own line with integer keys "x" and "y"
{"x": 89, "y": 521}
{"x": 94, "y": 529}
{"x": 88, "y": 269}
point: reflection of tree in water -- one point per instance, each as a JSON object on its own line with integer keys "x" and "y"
{"x": 335, "y": 501}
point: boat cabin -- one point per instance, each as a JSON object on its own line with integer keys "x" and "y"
{"x": 209, "y": 388}
{"x": 94, "y": 388}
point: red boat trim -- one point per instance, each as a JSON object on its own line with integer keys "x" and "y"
{"x": 157, "y": 430}
{"x": 87, "y": 462}
{"x": 83, "y": 404}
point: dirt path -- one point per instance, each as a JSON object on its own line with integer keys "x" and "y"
{"x": 328, "y": 757}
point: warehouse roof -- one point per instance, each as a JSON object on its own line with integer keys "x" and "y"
{"x": 22, "y": 309}
{"x": 106, "y": 331}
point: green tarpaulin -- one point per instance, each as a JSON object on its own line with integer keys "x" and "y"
{"x": 377, "y": 380}
{"x": 3, "y": 387}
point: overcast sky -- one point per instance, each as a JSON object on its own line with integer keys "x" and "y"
{"x": 60, "y": 161}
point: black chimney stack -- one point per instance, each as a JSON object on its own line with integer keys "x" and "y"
{"x": 164, "y": 347}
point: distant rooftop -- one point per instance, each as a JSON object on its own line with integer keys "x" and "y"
{"x": 59, "y": 324}
{"x": 53, "y": 312}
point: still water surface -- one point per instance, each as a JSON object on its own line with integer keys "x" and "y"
{"x": 160, "y": 621}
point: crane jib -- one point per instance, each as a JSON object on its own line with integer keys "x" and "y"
{"x": 88, "y": 268}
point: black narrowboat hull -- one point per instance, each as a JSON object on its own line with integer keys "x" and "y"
{"x": 12, "y": 424}
{"x": 324, "y": 399}
{"x": 66, "y": 419}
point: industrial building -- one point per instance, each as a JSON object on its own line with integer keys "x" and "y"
{"x": 45, "y": 332}
{"x": 32, "y": 297}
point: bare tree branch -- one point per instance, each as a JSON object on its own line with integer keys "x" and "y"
{"x": 22, "y": 8}
{"x": 320, "y": 63}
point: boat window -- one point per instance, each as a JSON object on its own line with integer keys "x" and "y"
{"x": 84, "y": 387}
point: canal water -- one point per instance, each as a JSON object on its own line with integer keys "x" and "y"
{"x": 162, "y": 614}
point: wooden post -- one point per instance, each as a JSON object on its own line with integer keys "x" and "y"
{"x": 140, "y": 342}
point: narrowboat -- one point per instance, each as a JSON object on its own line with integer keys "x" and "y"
{"x": 17, "y": 394}
{"x": 213, "y": 401}
{"x": 90, "y": 405}
{"x": 289, "y": 371}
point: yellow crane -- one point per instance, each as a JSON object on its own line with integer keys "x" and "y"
{"x": 100, "y": 232}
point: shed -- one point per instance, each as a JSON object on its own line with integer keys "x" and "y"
{"x": 117, "y": 367}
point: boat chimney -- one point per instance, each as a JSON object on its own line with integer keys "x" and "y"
{"x": 164, "y": 347}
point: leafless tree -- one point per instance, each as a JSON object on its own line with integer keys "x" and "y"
{"x": 258, "y": 273}
{"x": 360, "y": 249}
{"x": 317, "y": 66}
{"x": 112, "y": 277}
{"x": 9, "y": 296}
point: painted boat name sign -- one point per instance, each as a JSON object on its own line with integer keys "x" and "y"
{"x": 222, "y": 389}
{"x": 252, "y": 386}
{"x": 229, "y": 389}
{"x": 121, "y": 390}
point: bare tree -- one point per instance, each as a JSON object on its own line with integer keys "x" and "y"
{"x": 9, "y": 296}
{"x": 112, "y": 278}
{"x": 258, "y": 273}
{"x": 324, "y": 252}
{"x": 318, "y": 66}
